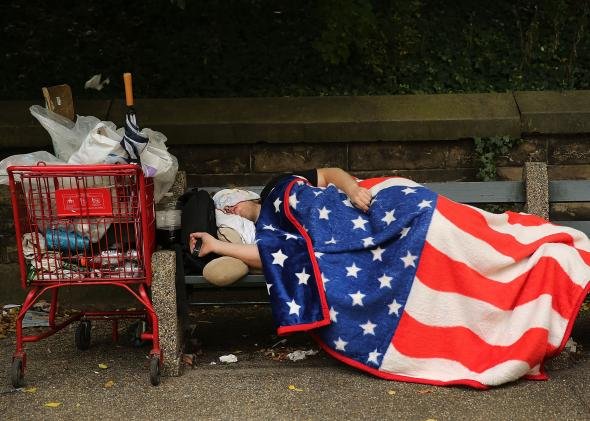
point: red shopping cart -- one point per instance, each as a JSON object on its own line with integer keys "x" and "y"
{"x": 79, "y": 226}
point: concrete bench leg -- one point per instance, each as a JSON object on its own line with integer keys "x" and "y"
{"x": 164, "y": 302}
{"x": 536, "y": 183}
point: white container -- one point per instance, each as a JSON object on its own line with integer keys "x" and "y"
{"x": 168, "y": 219}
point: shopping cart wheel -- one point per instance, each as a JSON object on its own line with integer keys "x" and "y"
{"x": 83, "y": 335}
{"x": 155, "y": 370}
{"x": 17, "y": 373}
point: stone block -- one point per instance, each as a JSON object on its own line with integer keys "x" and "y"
{"x": 554, "y": 112}
{"x": 536, "y": 188}
{"x": 423, "y": 175}
{"x": 284, "y": 158}
{"x": 184, "y": 121}
{"x": 371, "y": 156}
{"x": 569, "y": 150}
{"x": 569, "y": 172}
{"x": 327, "y": 119}
{"x": 179, "y": 186}
{"x": 509, "y": 173}
{"x": 164, "y": 302}
{"x": 530, "y": 149}
{"x": 96, "y": 108}
{"x": 228, "y": 180}
{"x": 216, "y": 159}
{"x": 570, "y": 211}
{"x": 410, "y": 117}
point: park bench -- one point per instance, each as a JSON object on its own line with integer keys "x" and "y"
{"x": 534, "y": 195}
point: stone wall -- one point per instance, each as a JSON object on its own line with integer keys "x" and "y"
{"x": 244, "y": 141}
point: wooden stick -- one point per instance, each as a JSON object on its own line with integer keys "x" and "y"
{"x": 128, "y": 89}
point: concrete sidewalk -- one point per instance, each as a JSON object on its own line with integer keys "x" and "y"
{"x": 260, "y": 385}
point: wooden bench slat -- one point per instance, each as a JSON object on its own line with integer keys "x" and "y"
{"x": 569, "y": 191}
{"x": 481, "y": 191}
{"x": 583, "y": 226}
{"x": 246, "y": 281}
{"x": 459, "y": 191}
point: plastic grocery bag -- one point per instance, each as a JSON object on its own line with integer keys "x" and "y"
{"x": 66, "y": 135}
{"x": 101, "y": 145}
{"x": 158, "y": 163}
{"x": 26, "y": 159}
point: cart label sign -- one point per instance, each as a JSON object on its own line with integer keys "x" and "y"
{"x": 83, "y": 202}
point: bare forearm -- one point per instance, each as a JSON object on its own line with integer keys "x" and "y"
{"x": 247, "y": 253}
{"x": 359, "y": 196}
{"x": 338, "y": 177}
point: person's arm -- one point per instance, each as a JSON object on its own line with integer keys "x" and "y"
{"x": 359, "y": 196}
{"x": 247, "y": 253}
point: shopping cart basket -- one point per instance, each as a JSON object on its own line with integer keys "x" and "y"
{"x": 84, "y": 225}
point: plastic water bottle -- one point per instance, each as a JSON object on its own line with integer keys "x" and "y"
{"x": 63, "y": 240}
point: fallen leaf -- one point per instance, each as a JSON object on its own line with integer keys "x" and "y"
{"x": 31, "y": 390}
{"x": 391, "y": 392}
{"x": 294, "y": 388}
{"x": 103, "y": 366}
{"x": 424, "y": 391}
{"x": 52, "y": 404}
{"x": 109, "y": 384}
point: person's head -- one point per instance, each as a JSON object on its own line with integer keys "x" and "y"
{"x": 249, "y": 209}
{"x": 240, "y": 202}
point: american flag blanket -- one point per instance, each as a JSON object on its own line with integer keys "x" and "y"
{"x": 421, "y": 288}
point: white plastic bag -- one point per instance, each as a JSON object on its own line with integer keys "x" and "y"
{"x": 101, "y": 145}
{"x": 32, "y": 158}
{"x": 66, "y": 135}
{"x": 155, "y": 158}
{"x": 163, "y": 181}
{"x": 157, "y": 162}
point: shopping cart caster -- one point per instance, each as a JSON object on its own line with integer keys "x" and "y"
{"x": 135, "y": 330}
{"x": 17, "y": 373}
{"x": 155, "y": 370}
{"x": 83, "y": 335}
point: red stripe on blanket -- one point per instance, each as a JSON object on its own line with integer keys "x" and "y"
{"x": 474, "y": 223}
{"x": 525, "y": 219}
{"x": 314, "y": 263}
{"x": 392, "y": 376}
{"x": 439, "y": 272}
{"x": 417, "y": 340}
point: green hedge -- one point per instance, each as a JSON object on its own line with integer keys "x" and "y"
{"x": 186, "y": 48}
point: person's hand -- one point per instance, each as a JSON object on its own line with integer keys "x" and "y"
{"x": 208, "y": 242}
{"x": 361, "y": 198}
